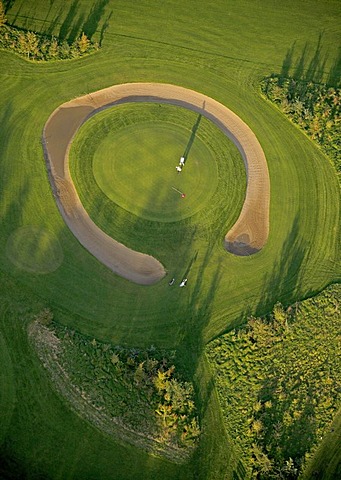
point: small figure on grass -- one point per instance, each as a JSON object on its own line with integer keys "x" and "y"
{"x": 183, "y": 283}
{"x": 171, "y": 282}
{"x": 178, "y": 169}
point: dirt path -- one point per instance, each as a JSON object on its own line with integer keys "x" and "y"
{"x": 248, "y": 235}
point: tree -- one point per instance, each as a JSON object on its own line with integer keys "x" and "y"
{"x": 279, "y": 318}
{"x": 262, "y": 463}
{"x": 257, "y": 426}
{"x": 32, "y": 44}
{"x": 139, "y": 375}
{"x": 3, "y": 18}
{"x": 54, "y": 49}
{"x": 28, "y": 43}
{"x": 160, "y": 381}
{"x": 65, "y": 50}
{"x": 83, "y": 43}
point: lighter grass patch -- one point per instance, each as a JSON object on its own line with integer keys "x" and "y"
{"x": 135, "y": 168}
{"x": 34, "y": 249}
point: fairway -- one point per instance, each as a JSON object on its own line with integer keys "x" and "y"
{"x": 93, "y": 231}
{"x": 135, "y": 167}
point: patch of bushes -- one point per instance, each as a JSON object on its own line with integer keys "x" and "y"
{"x": 314, "y": 107}
{"x": 37, "y": 47}
{"x": 278, "y": 383}
{"x": 139, "y": 388}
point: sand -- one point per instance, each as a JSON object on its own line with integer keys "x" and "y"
{"x": 247, "y": 236}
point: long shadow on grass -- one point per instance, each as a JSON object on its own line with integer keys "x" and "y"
{"x": 104, "y": 28}
{"x": 192, "y": 138}
{"x": 191, "y": 311}
{"x": 309, "y": 64}
{"x": 68, "y": 21}
{"x": 284, "y": 283}
{"x": 94, "y": 18}
{"x": 8, "y": 4}
{"x": 11, "y": 212}
{"x": 214, "y": 443}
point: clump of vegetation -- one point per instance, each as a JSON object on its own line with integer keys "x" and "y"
{"x": 314, "y": 107}
{"x": 139, "y": 389}
{"x": 278, "y": 383}
{"x": 37, "y": 47}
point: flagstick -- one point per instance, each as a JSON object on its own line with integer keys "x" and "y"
{"x": 181, "y": 193}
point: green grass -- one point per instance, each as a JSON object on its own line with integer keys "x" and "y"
{"x": 222, "y": 49}
{"x": 7, "y": 396}
{"x": 34, "y": 250}
{"x": 131, "y": 152}
{"x": 142, "y": 183}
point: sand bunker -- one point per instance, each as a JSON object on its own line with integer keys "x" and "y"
{"x": 247, "y": 236}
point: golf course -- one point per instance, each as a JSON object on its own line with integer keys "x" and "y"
{"x": 159, "y": 151}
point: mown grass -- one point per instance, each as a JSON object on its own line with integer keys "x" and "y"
{"x": 222, "y": 50}
{"x": 213, "y": 178}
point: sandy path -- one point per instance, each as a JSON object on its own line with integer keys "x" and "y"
{"x": 248, "y": 235}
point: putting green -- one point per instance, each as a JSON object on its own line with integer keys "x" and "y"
{"x": 135, "y": 168}
{"x": 124, "y": 158}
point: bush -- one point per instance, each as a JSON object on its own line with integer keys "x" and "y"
{"x": 139, "y": 387}
{"x": 278, "y": 383}
{"x": 316, "y": 108}
{"x": 43, "y": 48}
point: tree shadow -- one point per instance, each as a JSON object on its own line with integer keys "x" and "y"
{"x": 76, "y": 29}
{"x": 104, "y": 28}
{"x": 287, "y": 62}
{"x": 192, "y": 138}
{"x": 214, "y": 443}
{"x": 8, "y": 4}
{"x": 335, "y": 72}
{"x": 292, "y": 438}
{"x": 93, "y": 20}
{"x": 299, "y": 67}
{"x": 309, "y": 64}
{"x": 11, "y": 212}
{"x": 67, "y": 23}
{"x": 284, "y": 283}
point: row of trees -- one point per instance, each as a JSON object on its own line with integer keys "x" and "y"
{"x": 316, "y": 108}
{"x": 41, "y": 47}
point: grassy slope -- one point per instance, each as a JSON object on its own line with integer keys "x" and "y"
{"x": 326, "y": 462}
{"x": 222, "y": 50}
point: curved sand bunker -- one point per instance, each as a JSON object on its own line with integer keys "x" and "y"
{"x": 248, "y": 235}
